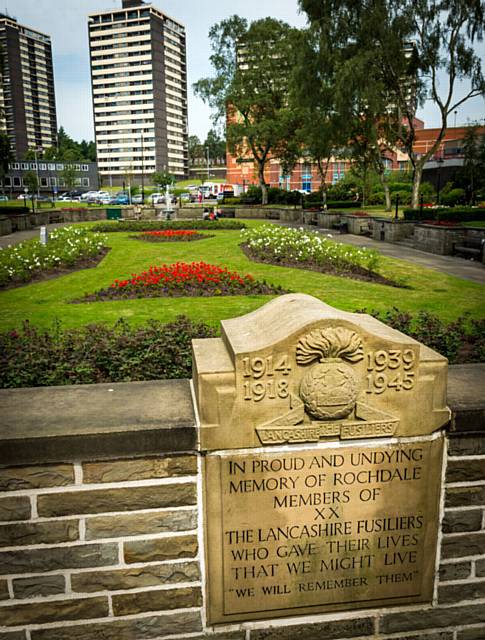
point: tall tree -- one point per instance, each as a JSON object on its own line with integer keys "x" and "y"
{"x": 215, "y": 144}
{"x": 162, "y": 179}
{"x": 422, "y": 50}
{"x": 196, "y": 150}
{"x": 69, "y": 175}
{"x": 6, "y": 155}
{"x": 252, "y": 67}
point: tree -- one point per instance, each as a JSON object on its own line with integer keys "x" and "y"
{"x": 214, "y": 144}
{"x": 162, "y": 179}
{"x": 6, "y": 155}
{"x": 69, "y": 175}
{"x": 253, "y": 66}
{"x": 31, "y": 181}
{"x": 196, "y": 150}
{"x": 421, "y": 49}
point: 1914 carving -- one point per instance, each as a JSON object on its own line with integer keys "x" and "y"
{"x": 297, "y": 370}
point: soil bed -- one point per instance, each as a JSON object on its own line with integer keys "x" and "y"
{"x": 154, "y": 236}
{"x": 55, "y": 272}
{"x": 354, "y": 272}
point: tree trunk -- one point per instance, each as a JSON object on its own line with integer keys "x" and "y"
{"x": 417, "y": 175}
{"x": 385, "y": 188}
{"x": 262, "y": 184}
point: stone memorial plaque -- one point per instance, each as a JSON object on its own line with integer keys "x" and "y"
{"x": 298, "y": 370}
{"x": 323, "y": 466}
{"x": 307, "y": 531}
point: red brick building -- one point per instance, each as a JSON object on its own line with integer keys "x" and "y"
{"x": 305, "y": 175}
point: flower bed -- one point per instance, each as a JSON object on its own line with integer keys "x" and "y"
{"x": 171, "y": 235}
{"x": 310, "y": 250}
{"x": 183, "y": 279}
{"x": 158, "y": 225}
{"x": 67, "y": 248}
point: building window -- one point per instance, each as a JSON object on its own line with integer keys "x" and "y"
{"x": 338, "y": 171}
{"x": 15, "y": 166}
{"x": 59, "y": 167}
{"x": 44, "y": 182}
{"x": 306, "y": 177}
{"x": 16, "y": 181}
{"x": 33, "y": 166}
{"x": 7, "y": 181}
{"x": 43, "y": 166}
{"x": 52, "y": 167}
{"x": 85, "y": 182}
{"x": 24, "y": 165}
{"x": 61, "y": 182}
{"x": 84, "y": 167}
{"x": 53, "y": 182}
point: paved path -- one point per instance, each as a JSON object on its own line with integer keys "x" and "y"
{"x": 451, "y": 265}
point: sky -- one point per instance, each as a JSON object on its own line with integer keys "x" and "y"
{"x": 66, "y": 22}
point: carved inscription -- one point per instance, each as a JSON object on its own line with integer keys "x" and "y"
{"x": 320, "y": 529}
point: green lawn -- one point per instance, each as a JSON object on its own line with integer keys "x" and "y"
{"x": 45, "y": 301}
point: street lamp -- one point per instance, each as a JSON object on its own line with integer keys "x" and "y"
{"x": 142, "y": 172}
{"x": 438, "y": 182}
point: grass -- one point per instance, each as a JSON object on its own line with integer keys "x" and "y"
{"x": 42, "y": 302}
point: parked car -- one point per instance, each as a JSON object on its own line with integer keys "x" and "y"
{"x": 3, "y": 198}
{"x": 88, "y": 195}
{"x": 156, "y": 198}
{"x": 103, "y": 197}
{"x": 23, "y": 196}
{"x": 122, "y": 199}
{"x": 137, "y": 199}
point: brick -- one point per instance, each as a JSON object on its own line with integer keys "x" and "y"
{"x": 466, "y": 446}
{"x": 140, "y": 524}
{"x": 142, "y": 469}
{"x": 4, "y": 590}
{"x": 160, "y": 600}
{"x": 477, "y": 633}
{"x": 148, "y": 576}
{"x": 161, "y": 549}
{"x": 470, "y": 496}
{"x": 75, "y": 557}
{"x": 39, "y": 586}
{"x": 459, "y": 521}
{"x": 14, "y": 508}
{"x": 472, "y": 544}
{"x": 480, "y": 568}
{"x": 36, "y": 477}
{"x": 124, "y": 499}
{"x": 458, "y": 571}
{"x": 458, "y": 592}
{"x": 53, "y": 611}
{"x": 465, "y": 470}
{"x": 333, "y": 630}
{"x": 432, "y": 618}
{"x": 139, "y": 628}
{"x": 23, "y": 533}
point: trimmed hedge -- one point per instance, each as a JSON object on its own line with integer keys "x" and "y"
{"x": 33, "y": 357}
{"x": 455, "y": 214}
{"x": 11, "y": 208}
{"x": 155, "y": 225}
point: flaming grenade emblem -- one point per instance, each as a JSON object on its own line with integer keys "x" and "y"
{"x": 329, "y": 389}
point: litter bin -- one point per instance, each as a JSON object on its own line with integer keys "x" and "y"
{"x": 113, "y": 214}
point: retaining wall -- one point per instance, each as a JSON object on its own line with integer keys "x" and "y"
{"x": 101, "y": 522}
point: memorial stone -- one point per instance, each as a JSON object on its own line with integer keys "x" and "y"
{"x": 322, "y": 465}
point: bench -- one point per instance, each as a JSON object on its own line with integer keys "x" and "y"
{"x": 470, "y": 247}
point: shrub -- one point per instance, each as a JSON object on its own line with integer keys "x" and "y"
{"x": 454, "y": 197}
{"x": 461, "y": 341}
{"x": 455, "y": 214}
{"x": 96, "y": 353}
{"x": 376, "y": 198}
{"x": 14, "y": 208}
{"x": 343, "y": 204}
{"x": 155, "y": 225}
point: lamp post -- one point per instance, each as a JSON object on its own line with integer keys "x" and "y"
{"x": 142, "y": 172}
{"x": 438, "y": 182}
{"x": 208, "y": 164}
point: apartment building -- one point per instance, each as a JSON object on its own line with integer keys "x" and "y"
{"x": 27, "y": 99}
{"x": 139, "y": 87}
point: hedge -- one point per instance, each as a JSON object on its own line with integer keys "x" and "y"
{"x": 155, "y": 225}
{"x": 11, "y": 208}
{"x": 455, "y": 214}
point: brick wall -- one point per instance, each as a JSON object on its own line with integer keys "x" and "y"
{"x": 112, "y": 548}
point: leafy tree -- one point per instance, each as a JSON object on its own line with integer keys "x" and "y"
{"x": 6, "y": 155}
{"x": 196, "y": 150}
{"x": 69, "y": 175}
{"x": 415, "y": 44}
{"x": 252, "y": 66}
{"x": 31, "y": 181}
{"x": 162, "y": 179}
{"x": 215, "y": 144}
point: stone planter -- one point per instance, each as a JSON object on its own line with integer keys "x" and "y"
{"x": 439, "y": 240}
{"x": 390, "y": 230}
{"x": 358, "y": 225}
{"x": 328, "y": 220}
{"x": 5, "y": 226}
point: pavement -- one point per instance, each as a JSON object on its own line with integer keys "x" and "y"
{"x": 451, "y": 265}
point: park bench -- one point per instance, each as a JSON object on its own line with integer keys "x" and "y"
{"x": 470, "y": 247}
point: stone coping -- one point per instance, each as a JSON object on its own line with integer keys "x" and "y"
{"x": 102, "y": 421}
{"x": 129, "y": 419}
